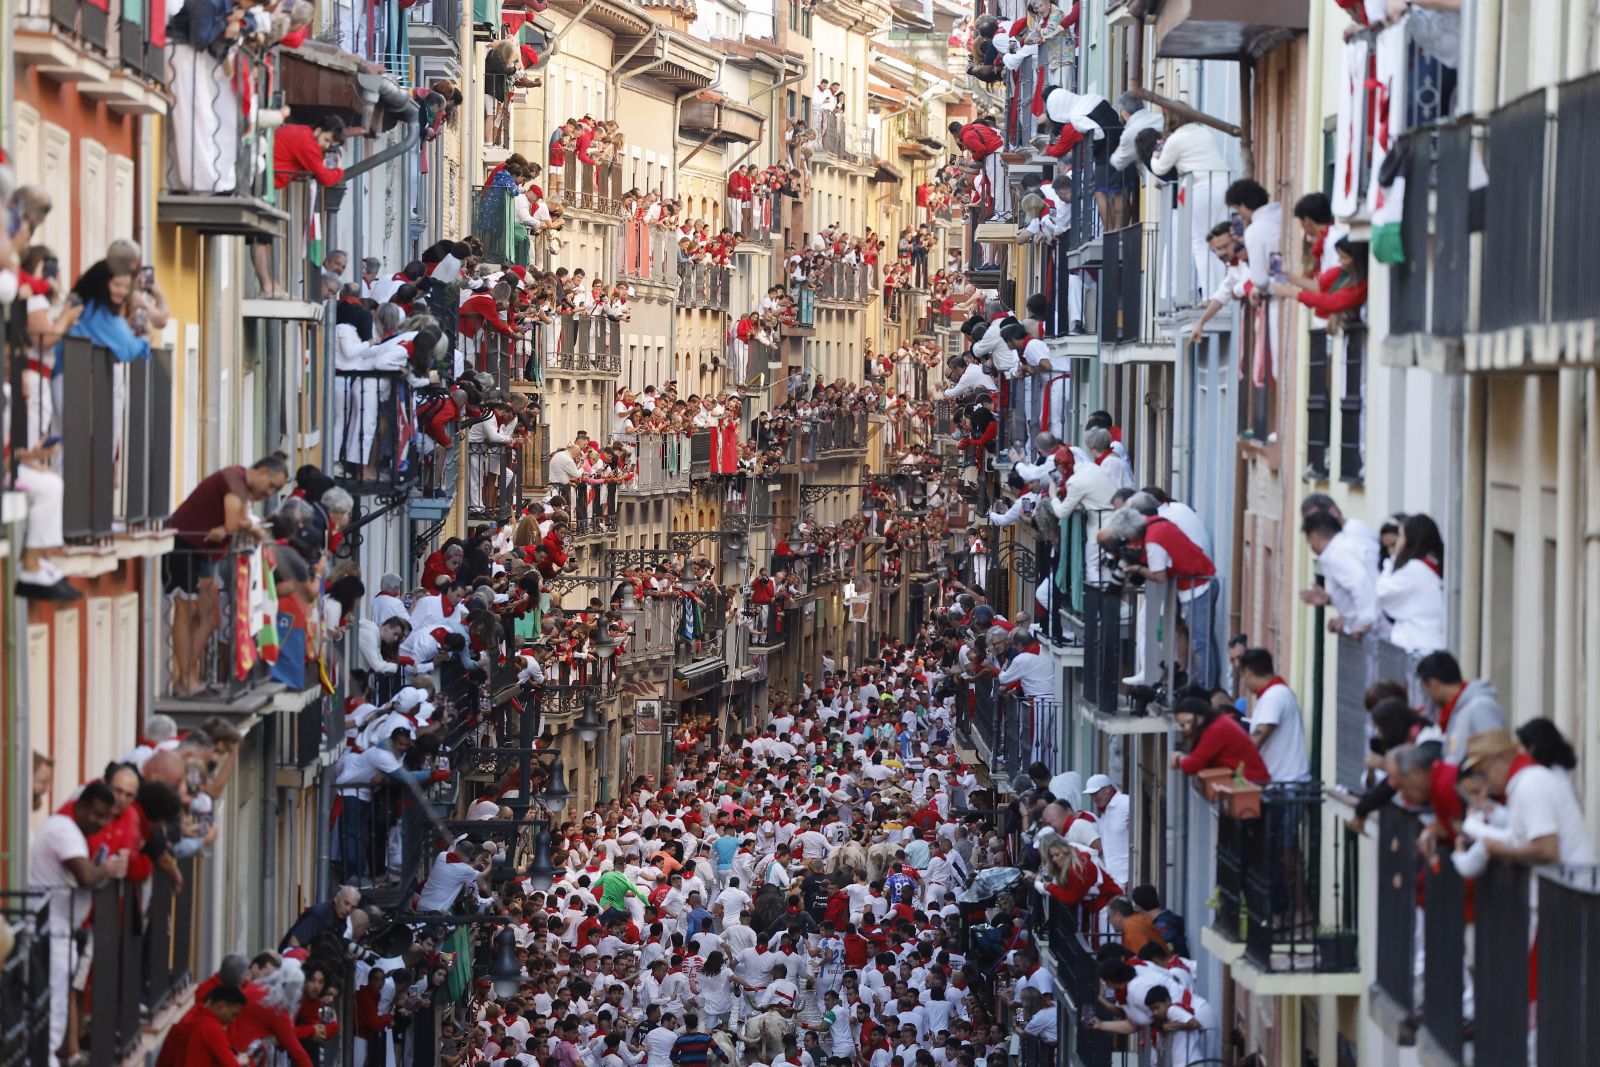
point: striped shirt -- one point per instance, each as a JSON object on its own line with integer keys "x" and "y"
{"x": 695, "y": 1048}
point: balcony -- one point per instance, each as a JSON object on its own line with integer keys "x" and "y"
{"x": 703, "y": 286}
{"x": 432, "y": 27}
{"x": 374, "y": 431}
{"x": 495, "y": 225}
{"x": 494, "y": 482}
{"x": 653, "y": 629}
{"x": 1228, "y": 29}
{"x": 698, "y": 638}
{"x": 1008, "y": 730}
{"x": 758, "y": 221}
{"x": 647, "y": 255}
{"x": 585, "y": 344}
{"x": 660, "y": 464}
{"x": 713, "y": 118}
{"x": 212, "y": 662}
{"x": 314, "y": 735}
{"x": 433, "y": 492}
{"x": 596, "y": 189}
{"x": 838, "y": 141}
{"x": 1428, "y": 293}
{"x": 805, "y": 317}
{"x": 25, "y": 982}
{"x": 841, "y": 437}
{"x": 107, "y": 54}
{"x": 595, "y": 511}
{"x": 1286, "y": 904}
{"x": 115, "y": 457}
{"x": 1069, "y": 938}
{"x": 1187, "y": 272}
{"x": 846, "y": 283}
{"x": 221, "y": 181}
{"x": 1129, "y": 297}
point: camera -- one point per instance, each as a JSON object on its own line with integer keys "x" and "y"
{"x": 1118, "y": 557}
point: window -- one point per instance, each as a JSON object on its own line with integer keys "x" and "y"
{"x": 1318, "y": 415}
{"x": 1352, "y": 408}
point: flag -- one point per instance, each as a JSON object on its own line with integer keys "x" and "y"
{"x": 290, "y": 667}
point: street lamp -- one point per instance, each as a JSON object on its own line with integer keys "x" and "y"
{"x": 556, "y": 794}
{"x": 588, "y": 724}
{"x": 541, "y": 872}
{"x": 506, "y": 972}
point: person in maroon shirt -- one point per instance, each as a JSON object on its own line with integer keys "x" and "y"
{"x": 1217, "y": 740}
{"x": 203, "y": 525}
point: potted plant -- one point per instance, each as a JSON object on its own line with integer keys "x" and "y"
{"x": 1210, "y": 778}
{"x": 1336, "y": 949}
{"x": 1239, "y": 798}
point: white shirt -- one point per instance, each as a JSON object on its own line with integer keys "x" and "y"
{"x": 1115, "y": 834}
{"x": 972, "y": 380}
{"x": 445, "y": 882}
{"x": 1117, "y": 470}
{"x": 1184, "y": 518}
{"x": 1413, "y": 597}
{"x": 1351, "y": 583}
{"x": 1541, "y": 803}
{"x": 1036, "y": 672}
{"x": 1189, "y": 149}
{"x": 1262, "y": 240}
{"x": 1284, "y": 751}
{"x": 386, "y": 607}
{"x": 57, "y": 841}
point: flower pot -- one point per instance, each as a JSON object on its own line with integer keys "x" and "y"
{"x": 1239, "y": 801}
{"x": 1337, "y": 952}
{"x": 1212, "y": 777}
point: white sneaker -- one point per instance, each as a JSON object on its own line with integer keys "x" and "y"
{"x": 1134, "y": 679}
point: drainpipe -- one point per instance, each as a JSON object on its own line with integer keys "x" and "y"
{"x": 1182, "y": 110}
{"x": 1591, "y": 571}
{"x": 412, "y": 137}
{"x": 1568, "y": 486}
{"x": 555, "y": 42}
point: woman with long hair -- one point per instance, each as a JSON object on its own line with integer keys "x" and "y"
{"x": 1216, "y": 739}
{"x": 1411, "y": 587}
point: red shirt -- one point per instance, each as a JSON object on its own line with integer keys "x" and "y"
{"x": 204, "y": 509}
{"x": 980, "y": 139}
{"x": 296, "y": 154}
{"x": 197, "y": 1040}
{"x": 1226, "y": 744}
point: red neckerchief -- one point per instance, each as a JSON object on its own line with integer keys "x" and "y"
{"x": 1274, "y": 680}
{"x": 1449, "y": 707}
{"x": 1101, "y": 458}
{"x": 1519, "y": 764}
{"x": 1433, "y": 564}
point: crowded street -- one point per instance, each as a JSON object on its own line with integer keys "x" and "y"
{"x": 798, "y": 533}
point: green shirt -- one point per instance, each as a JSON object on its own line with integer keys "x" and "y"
{"x": 614, "y": 889}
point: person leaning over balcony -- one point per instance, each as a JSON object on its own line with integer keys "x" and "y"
{"x": 1463, "y": 709}
{"x": 60, "y": 868}
{"x": 1338, "y": 291}
{"x": 1410, "y": 589}
{"x": 1276, "y": 726}
{"x": 1188, "y": 150}
{"x": 1234, "y": 285}
{"x": 1263, "y": 232}
{"x": 200, "y": 1038}
{"x": 1546, "y": 821}
{"x": 1215, "y": 739}
{"x": 981, "y": 138}
{"x": 1132, "y": 925}
{"x": 328, "y": 917}
{"x": 203, "y": 525}
{"x": 1350, "y": 583}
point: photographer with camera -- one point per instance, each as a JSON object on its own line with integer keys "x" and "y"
{"x": 1144, "y": 546}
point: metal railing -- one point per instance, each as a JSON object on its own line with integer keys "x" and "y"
{"x": 1398, "y": 891}
{"x": 1362, "y": 662}
{"x": 660, "y": 463}
{"x": 647, "y": 253}
{"x": 584, "y": 344}
{"x": 374, "y": 430}
{"x": 1187, "y": 272}
{"x": 701, "y": 625}
{"x": 653, "y": 630}
{"x": 25, "y": 982}
{"x": 1127, "y": 290}
{"x": 216, "y": 147}
{"x": 845, "y": 433}
{"x": 837, "y": 138}
{"x": 757, "y": 220}
{"x": 1428, "y": 290}
{"x": 1019, "y": 730}
{"x": 494, "y": 223}
{"x": 443, "y": 16}
{"x": 703, "y": 285}
{"x": 849, "y": 283}
{"x": 217, "y": 643}
{"x": 596, "y": 188}
{"x": 805, "y": 307}
{"x": 1270, "y": 879}
{"x": 494, "y": 482}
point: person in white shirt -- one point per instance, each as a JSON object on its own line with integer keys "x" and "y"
{"x": 1234, "y": 280}
{"x": 1275, "y": 723}
{"x": 1546, "y": 822}
{"x": 61, "y": 869}
{"x": 1115, "y": 825}
{"x": 1036, "y": 673}
{"x": 1350, "y": 583}
{"x": 1410, "y": 590}
{"x": 386, "y": 604}
{"x": 973, "y": 380}
{"x": 1097, "y": 442}
{"x": 1263, "y": 231}
{"x": 1189, "y": 154}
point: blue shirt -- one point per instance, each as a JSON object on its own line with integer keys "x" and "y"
{"x": 726, "y": 847}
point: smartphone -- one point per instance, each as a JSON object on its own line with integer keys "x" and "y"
{"x": 147, "y": 277}
{"x": 51, "y": 269}
{"x": 100, "y": 855}
{"x": 51, "y": 441}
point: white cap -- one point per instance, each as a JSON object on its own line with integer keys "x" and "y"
{"x": 1098, "y": 782}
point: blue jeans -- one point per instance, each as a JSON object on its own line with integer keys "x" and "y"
{"x": 355, "y": 836}
{"x": 1202, "y": 646}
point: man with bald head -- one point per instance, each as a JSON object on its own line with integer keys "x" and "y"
{"x": 328, "y": 917}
